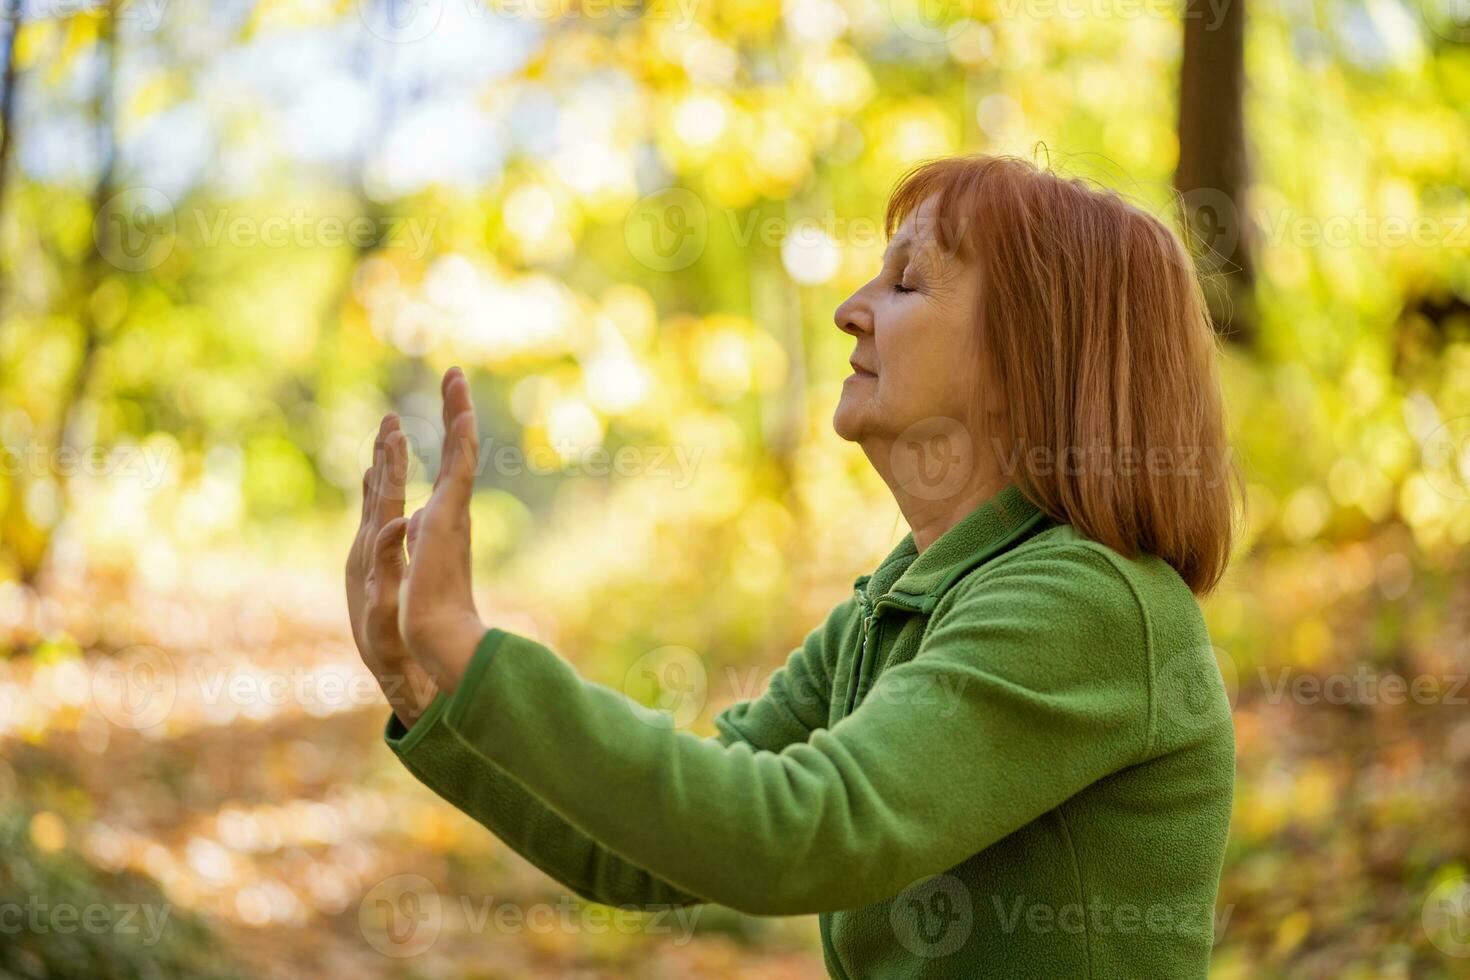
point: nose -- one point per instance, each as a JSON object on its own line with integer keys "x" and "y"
{"x": 853, "y": 316}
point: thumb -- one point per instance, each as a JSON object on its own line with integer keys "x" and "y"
{"x": 388, "y": 560}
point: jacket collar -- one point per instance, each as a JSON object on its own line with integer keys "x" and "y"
{"x": 987, "y": 530}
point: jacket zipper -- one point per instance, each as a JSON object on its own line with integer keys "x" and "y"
{"x": 870, "y": 616}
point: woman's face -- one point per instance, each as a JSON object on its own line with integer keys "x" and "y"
{"x": 916, "y": 359}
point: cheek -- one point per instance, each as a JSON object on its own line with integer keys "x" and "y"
{"x": 897, "y": 336}
{"x": 912, "y": 348}
{"x": 926, "y": 365}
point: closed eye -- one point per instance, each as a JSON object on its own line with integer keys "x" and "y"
{"x": 899, "y": 287}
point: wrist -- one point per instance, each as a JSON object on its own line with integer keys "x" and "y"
{"x": 446, "y": 649}
{"x": 408, "y": 689}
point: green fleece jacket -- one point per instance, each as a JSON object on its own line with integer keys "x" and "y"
{"x": 1009, "y": 756}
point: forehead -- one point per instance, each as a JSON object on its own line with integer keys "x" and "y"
{"x": 918, "y": 233}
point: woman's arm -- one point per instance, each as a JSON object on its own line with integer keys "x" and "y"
{"x": 1025, "y": 691}
{"x": 445, "y": 763}
{"x": 794, "y": 702}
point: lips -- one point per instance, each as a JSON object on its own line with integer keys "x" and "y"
{"x": 859, "y": 369}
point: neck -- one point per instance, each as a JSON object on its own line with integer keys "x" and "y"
{"x": 928, "y": 518}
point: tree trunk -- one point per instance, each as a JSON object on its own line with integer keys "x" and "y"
{"x": 7, "y": 96}
{"x": 13, "y": 14}
{"x": 1214, "y": 166}
{"x": 94, "y": 269}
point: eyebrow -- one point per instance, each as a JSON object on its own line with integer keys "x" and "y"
{"x": 905, "y": 246}
{"x": 901, "y": 245}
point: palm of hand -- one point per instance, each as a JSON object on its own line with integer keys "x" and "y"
{"x": 417, "y": 617}
{"x": 436, "y": 614}
{"x": 374, "y": 567}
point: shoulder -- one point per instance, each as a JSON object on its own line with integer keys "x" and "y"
{"x": 1055, "y": 600}
{"x": 1057, "y": 617}
{"x": 1072, "y": 569}
{"x": 1059, "y": 575}
{"x": 1131, "y": 613}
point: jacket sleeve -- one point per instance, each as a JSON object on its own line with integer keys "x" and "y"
{"x": 1030, "y": 685}
{"x": 799, "y": 695}
{"x": 794, "y": 702}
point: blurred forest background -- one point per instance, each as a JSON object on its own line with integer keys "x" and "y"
{"x": 233, "y": 234}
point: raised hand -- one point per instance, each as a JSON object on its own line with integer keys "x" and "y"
{"x": 375, "y": 569}
{"x": 437, "y": 616}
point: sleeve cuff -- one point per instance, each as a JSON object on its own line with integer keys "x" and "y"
{"x": 445, "y": 709}
{"x": 467, "y": 692}
{"x": 402, "y": 740}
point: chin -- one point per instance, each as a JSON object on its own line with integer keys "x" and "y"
{"x": 847, "y": 421}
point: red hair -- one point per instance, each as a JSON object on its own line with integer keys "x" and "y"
{"x": 1093, "y": 328}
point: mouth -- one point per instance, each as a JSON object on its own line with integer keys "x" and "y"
{"x": 858, "y": 371}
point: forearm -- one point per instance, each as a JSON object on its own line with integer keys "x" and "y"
{"x": 448, "y": 766}
{"x": 794, "y": 703}
{"x": 752, "y": 829}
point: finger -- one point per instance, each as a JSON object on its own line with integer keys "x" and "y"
{"x": 446, "y": 414}
{"x": 368, "y": 477}
{"x": 459, "y": 469}
{"x": 367, "y": 489}
{"x": 375, "y": 473}
{"x": 414, "y": 524}
{"x": 388, "y": 561}
{"x": 395, "y": 475}
{"x": 456, "y": 394}
{"x": 444, "y": 420}
{"x": 456, "y": 403}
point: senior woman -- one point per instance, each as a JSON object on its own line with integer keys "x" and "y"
{"x": 1009, "y": 753}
